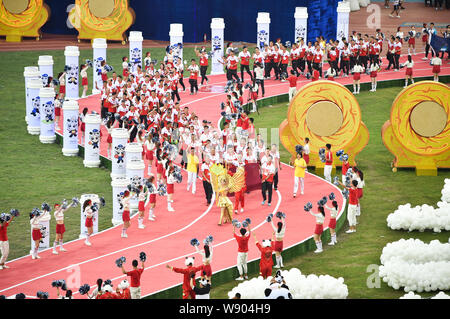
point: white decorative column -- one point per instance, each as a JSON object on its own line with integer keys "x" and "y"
{"x": 33, "y": 106}
{"x": 118, "y": 160}
{"x": 72, "y": 74}
{"x": 176, "y": 36}
{"x": 135, "y": 176}
{"x": 92, "y": 140}
{"x": 47, "y": 112}
{"x": 70, "y": 128}
{"x": 44, "y": 221}
{"x": 343, "y": 17}
{"x": 263, "y": 29}
{"x": 29, "y": 73}
{"x": 301, "y": 23}
{"x": 99, "y": 54}
{"x": 45, "y": 63}
{"x": 133, "y": 151}
{"x": 217, "y": 32}
{"x": 135, "y": 41}
{"x": 119, "y": 185}
{"x": 83, "y": 230}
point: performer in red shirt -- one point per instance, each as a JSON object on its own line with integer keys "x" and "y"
{"x": 329, "y": 163}
{"x": 135, "y": 278}
{"x": 124, "y": 286}
{"x": 242, "y": 241}
{"x": 266, "y": 262}
{"x": 292, "y": 79}
{"x": 203, "y": 63}
{"x": 4, "y": 243}
{"x": 244, "y": 57}
{"x": 187, "y": 272}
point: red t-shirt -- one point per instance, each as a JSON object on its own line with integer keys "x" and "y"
{"x": 266, "y": 254}
{"x": 329, "y": 158}
{"x": 353, "y": 196}
{"x": 292, "y": 81}
{"x": 135, "y": 276}
{"x": 204, "y": 60}
{"x": 242, "y": 243}
{"x": 345, "y": 168}
{"x": 4, "y": 232}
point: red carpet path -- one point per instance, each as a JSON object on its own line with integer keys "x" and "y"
{"x": 166, "y": 240}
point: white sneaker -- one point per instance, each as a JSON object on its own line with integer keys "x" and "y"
{"x": 38, "y": 257}
{"x": 124, "y": 236}
{"x": 62, "y": 249}
{"x": 350, "y": 231}
{"x": 141, "y": 226}
{"x": 246, "y": 277}
{"x": 55, "y": 252}
{"x": 1, "y": 267}
{"x": 242, "y": 210}
{"x": 170, "y": 209}
{"x": 318, "y": 251}
{"x": 151, "y": 218}
{"x": 331, "y": 243}
{"x": 239, "y": 278}
{"x": 5, "y": 267}
{"x": 88, "y": 243}
{"x": 276, "y": 266}
{"x": 302, "y": 193}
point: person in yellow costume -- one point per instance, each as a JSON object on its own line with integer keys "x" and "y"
{"x": 299, "y": 174}
{"x": 223, "y": 183}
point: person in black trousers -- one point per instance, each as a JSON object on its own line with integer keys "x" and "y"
{"x": 204, "y": 174}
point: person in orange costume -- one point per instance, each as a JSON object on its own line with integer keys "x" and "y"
{"x": 187, "y": 289}
{"x": 266, "y": 262}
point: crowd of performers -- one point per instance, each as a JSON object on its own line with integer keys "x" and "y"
{"x": 146, "y": 102}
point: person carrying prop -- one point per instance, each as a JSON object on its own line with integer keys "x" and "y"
{"x": 201, "y": 292}
{"x": 319, "y": 223}
{"x": 188, "y": 275}
{"x": 278, "y": 232}
{"x": 223, "y": 184}
{"x": 206, "y": 255}
{"x": 352, "y": 210}
{"x": 300, "y": 168}
{"x": 135, "y": 274}
{"x": 333, "y": 215}
{"x": 35, "y": 217}
{"x": 409, "y": 64}
{"x": 142, "y": 197}
{"x": 266, "y": 262}
{"x": 60, "y": 228}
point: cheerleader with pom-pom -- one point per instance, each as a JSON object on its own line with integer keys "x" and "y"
{"x": 84, "y": 79}
{"x": 320, "y": 218}
{"x": 5, "y": 221}
{"x": 36, "y": 217}
{"x": 206, "y": 254}
{"x": 87, "y": 209}
{"x": 109, "y": 128}
{"x": 60, "y": 228}
{"x": 149, "y": 152}
{"x": 126, "y": 213}
{"x": 352, "y": 205}
{"x": 332, "y": 223}
{"x": 83, "y": 124}
{"x": 374, "y": 67}
{"x": 170, "y": 182}
{"x": 356, "y": 71}
{"x": 279, "y": 232}
{"x": 152, "y": 200}
{"x": 143, "y": 194}
{"x": 436, "y": 62}
{"x": 409, "y": 70}
{"x": 359, "y": 176}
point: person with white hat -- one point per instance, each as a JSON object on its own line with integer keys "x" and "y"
{"x": 188, "y": 275}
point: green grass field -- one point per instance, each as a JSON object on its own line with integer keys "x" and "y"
{"x": 34, "y": 172}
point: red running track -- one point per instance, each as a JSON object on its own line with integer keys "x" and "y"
{"x": 166, "y": 240}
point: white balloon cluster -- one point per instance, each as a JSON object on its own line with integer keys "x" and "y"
{"x": 446, "y": 191}
{"x": 411, "y": 295}
{"x": 416, "y": 266}
{"x": 423, "y": 217}
{"x": 300, "y": 286}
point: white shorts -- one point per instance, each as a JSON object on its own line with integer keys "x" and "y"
{"x": 135, "y": 292}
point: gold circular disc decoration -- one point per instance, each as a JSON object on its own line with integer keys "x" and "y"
{"x": 16, "y": 6}
{"x": 422, "y": 131}
{"x": 324, "y": 125}
{"x": 340, "y": 117}
{"x": 101, "y": 8}
{"x": 428, "y": 118}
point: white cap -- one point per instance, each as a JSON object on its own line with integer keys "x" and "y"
{"x": 119, "y": 133}
{"x": 135, "y": 36}
{"x": 176, "y": 30}
{"x": 70, "y": 105}
{"x": 31, "y": 71}
{"x": 34, "y": 84}
{"x": 92, "y": 119}
{"x": 45, "y": 60}
{"x": 46, "y": 92}
{"x": 72, "y": 50}
{"x": 99, "y": 43}
{"x": 301, "y": 13}
{"x": 263, "y": 17}
{"x": 217, "y": 23}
